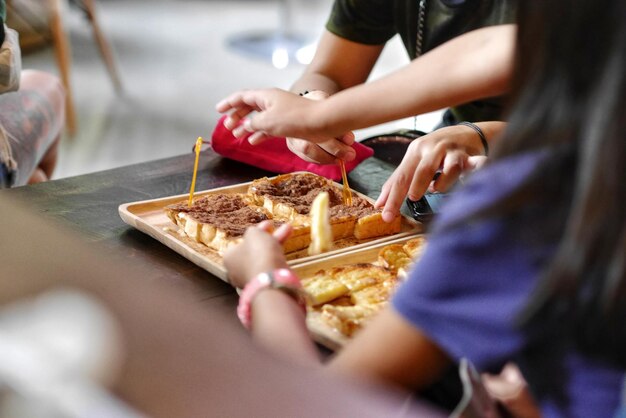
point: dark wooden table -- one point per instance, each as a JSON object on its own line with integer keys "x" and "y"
{"x": 180, "y": 358}
{"x": 89, "y": 204}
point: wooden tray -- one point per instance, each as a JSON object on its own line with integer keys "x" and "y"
{"x": 320, "y": 331}
{"x": 148, "y": 216}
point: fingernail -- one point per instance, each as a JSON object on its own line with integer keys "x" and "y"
{"x": 388, "y": 216}
{"x": 247, "y": 125}
{"x": 348, "y": 156}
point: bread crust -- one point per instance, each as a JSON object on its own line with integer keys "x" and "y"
{"x": 285, "y": 198}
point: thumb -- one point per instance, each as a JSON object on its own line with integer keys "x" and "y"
{"x": 347, "y": 138}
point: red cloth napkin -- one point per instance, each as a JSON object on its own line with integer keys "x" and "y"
{"x": 273, "y": 155}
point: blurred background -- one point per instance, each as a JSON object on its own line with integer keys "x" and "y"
{"x": 175, "y": 59}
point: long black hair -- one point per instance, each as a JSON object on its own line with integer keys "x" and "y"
{"x": 569, "y": 96}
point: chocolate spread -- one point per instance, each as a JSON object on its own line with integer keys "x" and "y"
{"x": 299, "y": 191}
{"x": 228, "y": 212}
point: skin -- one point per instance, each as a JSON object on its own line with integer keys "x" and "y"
{"x": 472, "y": 66}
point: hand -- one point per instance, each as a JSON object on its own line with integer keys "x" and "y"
{"x": 325, "y": 152}
{"x": 260, "y": 251}
{"x": 511, "y": 390}
{"x": 281, "y": 113}
{"x": 451, "y": 150}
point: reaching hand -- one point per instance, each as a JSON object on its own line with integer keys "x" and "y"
{"x": 281, "y": 113}
{"x": 451, "y": 150}
{"x": 260, "y": 251}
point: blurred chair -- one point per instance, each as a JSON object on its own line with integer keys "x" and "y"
{"x": 25, "y": 11}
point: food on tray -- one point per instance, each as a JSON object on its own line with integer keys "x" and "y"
{"x": 219, "y": 220}
{"x": 347, "y": 296}
{"x": 394, "y": 257}
{"x": 291, "y": 196}
{"x": 321, "y": 234}
{"x": 329, "y": 284}
{"x": 415, "y": 247}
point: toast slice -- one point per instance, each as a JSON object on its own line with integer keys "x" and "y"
{"x": 290, "y": 196}
{"x": 346, "y": 297}
{"x": 332, "y": 283}
{"x": 220, "y": 220}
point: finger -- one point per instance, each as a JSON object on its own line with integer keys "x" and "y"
{"x": 257, "y": 138}
{"x": 267, "y": 226}
{"x": 245, "y": 98}
{"x": 233, "y": 119}
{"x": 453, "y": 165}
{"x": 241, "y": 130}
{"x": 424, "y": 173}
{"x": 348, "y": 138}
{"x": 384, "y": 194}
{"x": 399, "y": 183}
{"x": 283, "y": 232}
{"x": 338, "y": 149}
{"x": 309, "y": 151}
{"x": 228, "y": 103}
{"x": 397, "y": 194}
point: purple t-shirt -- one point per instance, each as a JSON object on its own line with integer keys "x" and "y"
{"x": 475, "y": 277}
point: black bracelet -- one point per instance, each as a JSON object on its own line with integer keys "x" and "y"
{"x": 480, "y": 133}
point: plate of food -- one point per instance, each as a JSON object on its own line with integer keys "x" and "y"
{"x": 217, "y": 218}
{"x": 347, "y": 290}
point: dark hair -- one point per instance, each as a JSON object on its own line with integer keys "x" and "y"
{"x": 569, "y": 96}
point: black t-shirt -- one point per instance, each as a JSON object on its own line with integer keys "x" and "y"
{"x": 374, "y": 22}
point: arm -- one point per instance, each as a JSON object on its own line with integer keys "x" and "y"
{"x": 277, "y": 322}
{"x": 338, "y": 64}
{"x": 392, "y": 351}
{"x": 472, "y": 66}
{"x": 279, "y": 325}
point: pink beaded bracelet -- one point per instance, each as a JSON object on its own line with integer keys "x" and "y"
{"x": 282, "y": 279}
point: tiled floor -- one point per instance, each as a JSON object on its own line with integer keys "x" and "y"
{"x": 175, "y": 66}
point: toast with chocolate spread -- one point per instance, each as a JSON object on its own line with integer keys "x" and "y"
{"x": 220, "y": 220}
{"x": 290, "y": 196}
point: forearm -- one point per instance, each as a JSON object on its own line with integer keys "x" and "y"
{"x": 311, "y": 81}
{"x": 473, "y": 66}
{"x": 337, "y": 65}
{"x": 278, "y": 324}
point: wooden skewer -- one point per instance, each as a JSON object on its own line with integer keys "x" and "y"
{"x": 198, "y": 147}
{"x": 347, "y": 193}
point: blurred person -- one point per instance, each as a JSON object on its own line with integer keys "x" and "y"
{"x": 526, "y": 262}
{"x": 32, "y": 112}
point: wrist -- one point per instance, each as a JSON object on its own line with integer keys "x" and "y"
{"x": 480, "y": 133}
{"x": 314, "y": 94}
{"x": 282, "y": 279}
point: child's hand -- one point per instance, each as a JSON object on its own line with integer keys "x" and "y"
{"x": 260, "y": 251}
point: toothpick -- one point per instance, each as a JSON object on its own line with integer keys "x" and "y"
{"x": 195, "y": 170}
